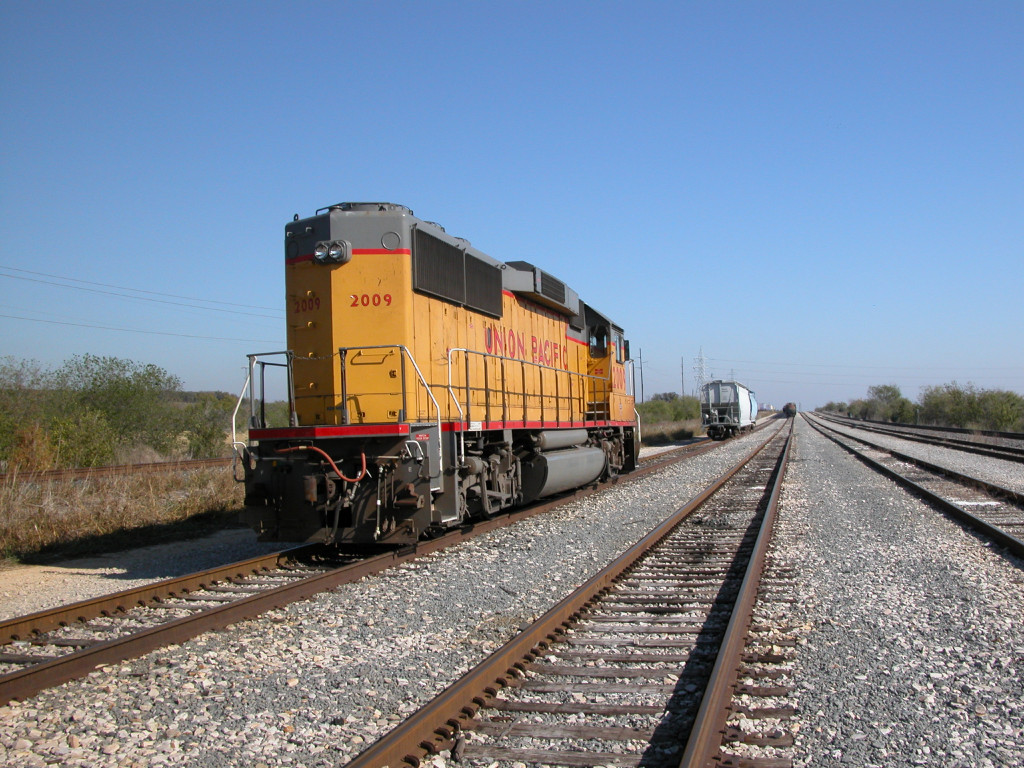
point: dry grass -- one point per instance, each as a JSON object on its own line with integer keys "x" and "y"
{"x": 41, "y": 520}
{"x": 668, "y": 432}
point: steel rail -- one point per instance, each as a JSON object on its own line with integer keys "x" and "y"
{"x": 434, "y": 726}
{"x": 1003, "y": 452}
{"x": 704, "y": 745}
{"x": 992, "y": 488}
{"x": 921, "y": 427}
{"x": 1012, "y": 543}
{"x": 24, "y": 627}
{"x": 113, "y": 470}
{"x": 27, "y": 682}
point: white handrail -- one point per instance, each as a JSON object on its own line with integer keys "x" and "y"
{"x": 462, "y": 416}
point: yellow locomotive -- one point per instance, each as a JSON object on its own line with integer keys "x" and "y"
{"x": 427, "y": 384}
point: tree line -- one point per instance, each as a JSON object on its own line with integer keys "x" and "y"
{"x": 945, "y": 405}
{"x": 668, "y": 407}
{"x": 94, "y": 411}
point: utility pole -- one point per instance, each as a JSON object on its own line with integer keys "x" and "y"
{"x": 682, "y": 377}
{"x": 641, "y": 361}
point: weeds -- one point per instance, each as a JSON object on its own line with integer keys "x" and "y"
{"x": 664, "y": 433}
{"x": 49, "y": 519}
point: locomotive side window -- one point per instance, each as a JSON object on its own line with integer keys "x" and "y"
{"x": 598, "y": 341}
{"x": 620, "y": 347}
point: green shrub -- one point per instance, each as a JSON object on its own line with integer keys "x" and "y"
{"x": 101, "y": 410}
{"x": 947, "y": 405}
{"x": 136, "y": 399}
{"x": 668, "y": 407}
{"x": 83, "y": 438}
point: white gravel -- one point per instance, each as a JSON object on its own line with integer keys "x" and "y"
{"x": 916, "y": 649}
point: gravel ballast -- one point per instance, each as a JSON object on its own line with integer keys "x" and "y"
{"x": 936, "y": 681}
{"x": 317, "y": 681}
{"x": 916, "y": 649}
{"x": 1008, "y": 474}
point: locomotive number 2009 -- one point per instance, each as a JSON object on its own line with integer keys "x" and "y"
{"x": 307, "y": 305}
{"x": 370, "y": 300}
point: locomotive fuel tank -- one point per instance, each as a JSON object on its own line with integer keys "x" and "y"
{"x": 546, "y": 474}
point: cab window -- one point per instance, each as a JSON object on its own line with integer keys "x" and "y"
{"x": 620, "y": 348}
{"x": 598, "y": 341}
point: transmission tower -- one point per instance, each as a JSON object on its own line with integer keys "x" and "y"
{"x": 700, "y": 371}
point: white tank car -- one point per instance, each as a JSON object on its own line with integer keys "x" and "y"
{"x": 727, "y": 408}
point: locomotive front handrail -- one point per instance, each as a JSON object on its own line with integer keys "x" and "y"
{"x": 238, "y": 448}
{"x": 255, "y": 360}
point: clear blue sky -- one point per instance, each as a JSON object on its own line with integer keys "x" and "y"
{"x": 822, "y": 196}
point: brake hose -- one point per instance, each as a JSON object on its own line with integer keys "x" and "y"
{"x": 330, "y": 461}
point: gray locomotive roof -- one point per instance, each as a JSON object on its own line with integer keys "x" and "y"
{"x": 524, "y": 278}
{"x": 520, "y": 277}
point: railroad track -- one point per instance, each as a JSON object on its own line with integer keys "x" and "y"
{"x": 53, "y": 646}
{"x": 50, "y": 647}
{"x": 113, "y": 470}
{"x": 994, "y": 511}
{"x": 1006, "y": 452}
{"x": 639, "y": 661}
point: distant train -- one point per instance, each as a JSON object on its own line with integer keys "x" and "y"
{"x": 727, "y": 408}
{"x": 789, "y": 409}
{"x": 427, "y": 384}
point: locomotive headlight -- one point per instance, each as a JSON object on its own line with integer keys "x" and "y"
{"x": 332, "y": 252}
{"x": 337, "y": 251}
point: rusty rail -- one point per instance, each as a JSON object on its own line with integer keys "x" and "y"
{"x": 436, "y": 725}
{"x": 995, "y": 533}
{"x": 113, "y": 470}
{"x": 704, "y": 745}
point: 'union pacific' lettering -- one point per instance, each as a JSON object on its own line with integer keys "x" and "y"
{"x": 504, "y": 342}
{"x": 549, "y": 353}
{"x": 508, "y": 343}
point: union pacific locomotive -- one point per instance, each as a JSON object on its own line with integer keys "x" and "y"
{"x": 427, "y": 384}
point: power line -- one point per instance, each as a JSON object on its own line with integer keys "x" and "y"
{"x": 854, "y": 365}
{"x": 138, "y": 330}
{"x": 137, "y": 290}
